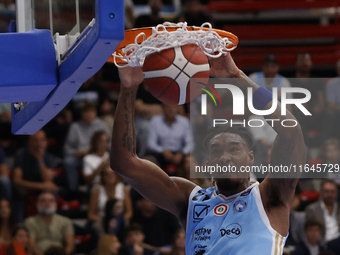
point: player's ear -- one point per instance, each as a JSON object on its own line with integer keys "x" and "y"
{"x": 251, "y": 157}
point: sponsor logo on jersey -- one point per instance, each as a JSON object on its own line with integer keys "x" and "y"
{"x": 220, "y": 209}
{"x": 199, "y": 249}
{"x": 200, "y": 195}
{"x": 240, "y": 206}
{"x": 232, "y": 231}
{"x": 200, "y": 211}
{"x": 202, "y": 234}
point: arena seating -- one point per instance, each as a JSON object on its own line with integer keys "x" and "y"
{"x": 283, "y": 28}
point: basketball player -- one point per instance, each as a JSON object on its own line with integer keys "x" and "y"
{"x": 234, "y": 217}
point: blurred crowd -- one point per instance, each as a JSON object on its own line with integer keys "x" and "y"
{"x": 58, "y": 194}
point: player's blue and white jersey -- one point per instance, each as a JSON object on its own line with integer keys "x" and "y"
{"x": 236, "y": 225}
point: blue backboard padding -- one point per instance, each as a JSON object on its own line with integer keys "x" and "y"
{"x": 85, "y": 61}
{"x": 28, "y": 66}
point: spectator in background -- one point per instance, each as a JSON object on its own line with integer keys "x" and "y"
{"x": 49, "y": 229}
{"x": 32, "y": 173}
{"x": 55, "y": 250}
{"x": 90, "y": 92}
{"x": 7, "y": 225}
{"x": 269, "y": 77}
{"x": 311, "y": 125}
{"x": 5, "y": 181}
{"x": 97, "y": 159}
{"x": 56, "y": 132}
{"x": 263, "y": 139}
{"x": 134, "y": 242}
{"x": 5, "y": 113}
{"x": 108, "y": 245}
{"x": 332, "y": 115}
{"x": 311, "y": 245}
{"x": 169, "y": 137}
{"x": 110, "y": 187}
{"x": 153, "y": 19}
{"x": 178, "y": 245}
{"x": 296, "y": 227}
{"x": 159, "y": 225}
{"x": 326, "y": 211}
{"x": 326, "y": 252}
{"x": 113, "y": 222}
{"x": 334, "y": 246}
{"x": 129, "y": 16}
{"x": 77, "y": 144}
{"x": 20, "y": 244}
{"x": 331, "y": 157}
{"x": 193, "y": 14}
{"x": 7, "y": 13}
{"x": 146, "y": 106}
{"x": 107, "y": 110}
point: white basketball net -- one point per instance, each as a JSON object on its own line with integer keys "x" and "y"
{"x": 212, "y": 44}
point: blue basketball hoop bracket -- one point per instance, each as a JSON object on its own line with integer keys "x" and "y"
{"x": 90, "y": 52}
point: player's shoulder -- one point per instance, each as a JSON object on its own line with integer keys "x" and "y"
{"x": 199, "y": 194}
{"x": 186, "y": 186}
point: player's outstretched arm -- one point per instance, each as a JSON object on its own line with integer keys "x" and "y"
{"x": 148, "y": 179}
{"x": 288, "y": 148}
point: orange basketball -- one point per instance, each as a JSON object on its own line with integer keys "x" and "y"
{"x": 167, "y": 73}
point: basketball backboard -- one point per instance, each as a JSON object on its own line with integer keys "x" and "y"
{"x": 70, "y": 41}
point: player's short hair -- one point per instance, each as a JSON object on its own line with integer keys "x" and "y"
{"x": 312, "y": 223}
{"x": 241, "y": 131}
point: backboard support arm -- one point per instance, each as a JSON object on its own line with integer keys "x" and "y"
{"x": 86, "y": 59}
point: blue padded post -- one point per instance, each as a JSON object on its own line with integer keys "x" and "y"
{"x": 96, "y": 46}
{"x": 28, "y": 66}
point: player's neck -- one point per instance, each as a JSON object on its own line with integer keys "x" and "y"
{"x": 239, "y": 189}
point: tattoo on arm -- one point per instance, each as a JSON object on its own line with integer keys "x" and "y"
{"x": 129, "y": 135}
